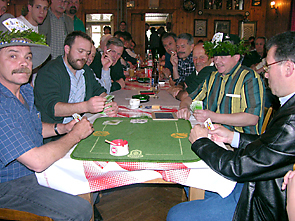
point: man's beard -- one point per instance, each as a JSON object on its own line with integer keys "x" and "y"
{"x": 74, "y": 63}
{"x": 73, "y": 10}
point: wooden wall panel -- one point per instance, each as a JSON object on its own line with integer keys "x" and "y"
{"x": 268, "y": 22}
{"x": 277, "y": 22}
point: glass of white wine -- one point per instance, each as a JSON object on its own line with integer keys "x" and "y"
{"x": 156, "y": 90}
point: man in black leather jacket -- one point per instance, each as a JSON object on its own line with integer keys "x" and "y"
{"x": 260, "y": 161}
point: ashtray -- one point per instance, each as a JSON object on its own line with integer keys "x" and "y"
{"x": 142, "y": 97}
{"x": 143, "y": 80}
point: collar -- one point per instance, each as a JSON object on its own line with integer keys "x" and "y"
{"x": 283, "y": 100}
{"x": 234, "y": 70}
{"x": 52, "y": 14}
{"x": 188, "y": 58}
{"x": 78, "y": 72}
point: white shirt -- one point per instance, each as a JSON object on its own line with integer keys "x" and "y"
{"x": 27, "y": 23}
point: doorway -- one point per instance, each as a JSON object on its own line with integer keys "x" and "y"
{"x": 95, "y": 24}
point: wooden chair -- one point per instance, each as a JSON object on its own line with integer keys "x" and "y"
{"x": 266, "y": 118}
{"x": 11, "y": 214}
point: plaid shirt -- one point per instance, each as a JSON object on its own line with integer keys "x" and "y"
{"x": 20, "y": 131}
{"x": 58, "y": 34}
{"x": 185, "y": 68}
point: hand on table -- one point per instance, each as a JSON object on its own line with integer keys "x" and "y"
{"x": 183, "y": 113}
{"x": 221, "y": 134}
{"x": 197, "y": 132}
{"x": 174, "y": 90}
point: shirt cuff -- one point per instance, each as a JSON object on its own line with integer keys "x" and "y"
{"x": 104, "y": 73}
{"x": 236, "y": 140}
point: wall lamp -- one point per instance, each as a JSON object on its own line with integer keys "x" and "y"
{"x": 273, "y": 6}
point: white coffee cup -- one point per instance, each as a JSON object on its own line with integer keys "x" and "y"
{"x": 134, "y": 103}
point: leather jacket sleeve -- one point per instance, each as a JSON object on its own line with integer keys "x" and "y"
{"x": 262, "y": 157}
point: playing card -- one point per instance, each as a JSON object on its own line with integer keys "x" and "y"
{"x": 14, "y": 23}
{"x": 77, "y": 117}
{"x": 109, "y": 98}
{"x": 138, "y": 121}
{"x": 112, "y": 122}
{"x": 208, "y": 124}
{"x": 196, "y": 105}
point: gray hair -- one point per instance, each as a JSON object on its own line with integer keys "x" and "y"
{"x": 188, "y": 37}
{"x": 115, "y": 41}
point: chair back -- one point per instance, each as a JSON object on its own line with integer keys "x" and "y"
{"x": 267, "y": 116}
{"x": 11, "y": 214}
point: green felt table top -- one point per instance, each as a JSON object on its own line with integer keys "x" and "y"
{"x": 154, "y": 141}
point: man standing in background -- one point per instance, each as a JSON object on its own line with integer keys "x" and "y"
{"x": 37, "y": 12}
{"x": 56, "y": 26}
{"x": 71, "y": 11}
{"x": 3, "y": 7}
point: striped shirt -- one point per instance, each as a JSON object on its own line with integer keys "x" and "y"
{"x": 241, "y": 90}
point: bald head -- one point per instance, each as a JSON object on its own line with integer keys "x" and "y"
{"x": 200, "y": 57}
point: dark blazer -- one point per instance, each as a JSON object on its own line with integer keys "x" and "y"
{"x": 261, "y": 161}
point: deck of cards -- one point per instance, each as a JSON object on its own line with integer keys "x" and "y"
{"x": 196, "y": 105}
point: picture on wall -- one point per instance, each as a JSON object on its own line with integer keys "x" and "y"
{"x": 247, "y": 29}
{"x": 200, "y": 28}
{"x": 222, "y": 26}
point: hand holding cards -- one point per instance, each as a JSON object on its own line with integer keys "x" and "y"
{"x": 77, "y": 117}
{"x": 208, "y": 124}
{"x": 109, "y": 99}
{"x": 196, "y": 105}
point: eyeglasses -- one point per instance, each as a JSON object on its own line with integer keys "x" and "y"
{"x": 266, "y": 66}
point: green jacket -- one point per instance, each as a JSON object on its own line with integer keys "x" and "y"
{"x": 52, "y": 85}
{"x": 116, "y": 71}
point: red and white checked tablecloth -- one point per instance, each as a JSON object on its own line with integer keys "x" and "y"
{"x": 78, "y": 177}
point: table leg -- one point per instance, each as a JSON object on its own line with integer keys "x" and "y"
{"x": 196, "y": 194}
{"x": 89, "y": 198}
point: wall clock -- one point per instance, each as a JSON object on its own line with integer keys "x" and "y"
{"x": 189, "y": 5}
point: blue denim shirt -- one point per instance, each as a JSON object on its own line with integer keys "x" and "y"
{"x": 20, "y": 131}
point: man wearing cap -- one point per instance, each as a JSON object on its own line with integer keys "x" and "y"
{"x": 233, "y": 95}
{"x": 260, "y": 161}
{"x": 21, "y": 135}
{"x": 66, "y": 85}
